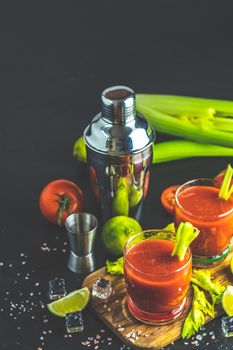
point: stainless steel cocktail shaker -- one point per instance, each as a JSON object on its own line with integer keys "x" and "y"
{"x": 119, "y": 152}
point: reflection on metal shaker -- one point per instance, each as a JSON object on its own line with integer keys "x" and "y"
{"x": 119, "y": 153}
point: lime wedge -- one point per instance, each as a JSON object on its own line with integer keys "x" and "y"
{"x": 231, "y": 264}
{"x": 227, "y": 301}
{"x": 73, "y": 301}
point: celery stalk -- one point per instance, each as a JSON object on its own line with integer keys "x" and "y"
{"x": 185, "y": 234}
{"x": 177, "y": 105}
{"x": 225, "y": 190}
{"x": 223, "y": 124}
{"x": 179, "y": 149}
{"x": 175, "y": 126}
{"x": 169, "y": 150}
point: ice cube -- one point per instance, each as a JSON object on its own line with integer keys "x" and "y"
{"x": 227, "y": 326}
{"x": 74, "y": 322}
{"x": 57, "y": 288}
{"x": 102, "y": 288}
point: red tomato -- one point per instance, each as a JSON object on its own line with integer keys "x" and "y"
{"x": 168, "y": 198}
{"x": 59, "y": 199}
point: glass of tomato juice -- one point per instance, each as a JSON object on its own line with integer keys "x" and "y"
{"x": 156, "y": 281}
{"x": 197, "y": 201}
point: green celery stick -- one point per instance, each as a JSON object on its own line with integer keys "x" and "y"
{"x": 225, "y": 190}
{"x": 169, "y": 150}
{"x": 176, "y": 126}
{"x": 178, "y": 105}
{"x": 185, "y": 234}
{"x": 179, "y": 149}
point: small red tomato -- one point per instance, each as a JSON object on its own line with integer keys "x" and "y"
{"x": 59, "y": 199}
{"x": 168, "y": 198}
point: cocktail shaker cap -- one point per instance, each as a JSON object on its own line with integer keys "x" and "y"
{"x": 118, "y": 130}
{"x": 118, "y": 104}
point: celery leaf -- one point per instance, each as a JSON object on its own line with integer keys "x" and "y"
{"x": 115, "y": 267}
{"x": 202, "y": 278}
{"x": 196, "y": 316}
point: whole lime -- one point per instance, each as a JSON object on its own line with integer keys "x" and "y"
{"x": 117, "y": 231}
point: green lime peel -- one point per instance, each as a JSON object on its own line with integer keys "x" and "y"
{"x": 185, "y": 234}
{"x": 226, "y": 189}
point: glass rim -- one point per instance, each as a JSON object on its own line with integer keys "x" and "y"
{"x": 155, "y": 274}
{"x": 202, "y": 179}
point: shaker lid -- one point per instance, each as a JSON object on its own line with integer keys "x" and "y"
{"x": 118, "y": 130}
{"x": 118, "y": 104}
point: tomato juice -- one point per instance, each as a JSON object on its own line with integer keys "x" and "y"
{"x": 156, "y": 281}
{"x": 213, "y": 216}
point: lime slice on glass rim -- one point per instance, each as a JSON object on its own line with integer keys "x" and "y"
{"x": 227, "y": 301}
{"x": 74, "y": 301}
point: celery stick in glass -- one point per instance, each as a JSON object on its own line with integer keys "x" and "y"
{"x": 226, "y": 189}
{"x": 185, "y": 234}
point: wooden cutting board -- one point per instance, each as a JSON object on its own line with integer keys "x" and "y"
{"x": 114, "y": 312}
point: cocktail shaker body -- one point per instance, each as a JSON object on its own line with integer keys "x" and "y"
{"x": 119, "y": 154}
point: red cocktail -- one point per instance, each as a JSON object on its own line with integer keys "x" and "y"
{"x": 156, "y": 281}
{"x": 197, "y": 201}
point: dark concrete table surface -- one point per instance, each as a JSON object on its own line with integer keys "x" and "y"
{"x": 56, "y": 58}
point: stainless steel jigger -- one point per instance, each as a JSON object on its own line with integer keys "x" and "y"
{"x": 81, "y": 229}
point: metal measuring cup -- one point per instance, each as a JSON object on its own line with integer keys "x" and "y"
{"x": 81, "y": 230}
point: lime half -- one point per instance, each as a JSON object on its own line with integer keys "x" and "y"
{"x": 74, "y": 301}
{"x": 227, "y": 301}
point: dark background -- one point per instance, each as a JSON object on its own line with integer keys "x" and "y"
{"x": 55, "y": 59}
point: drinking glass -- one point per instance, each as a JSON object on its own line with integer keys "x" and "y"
{"x": 197, "y": 201}
{"x": 156, "y": 281}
